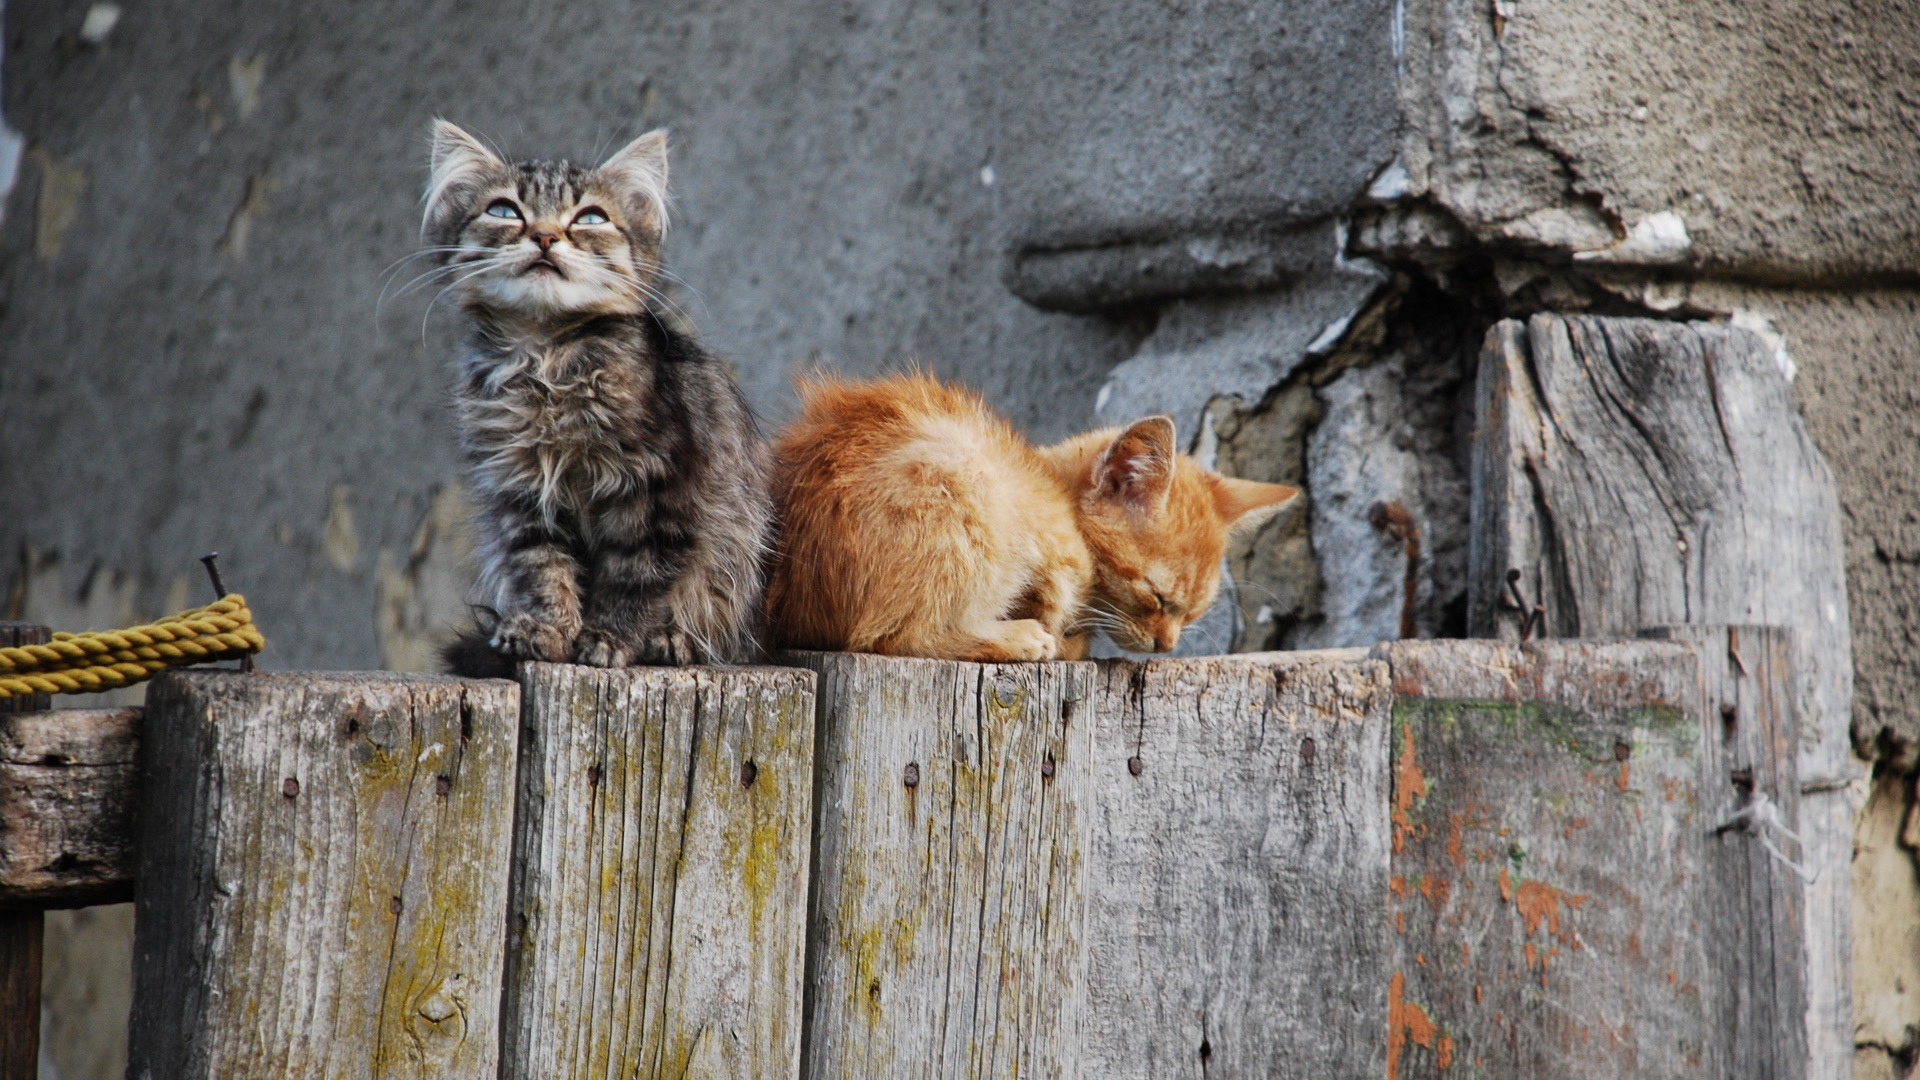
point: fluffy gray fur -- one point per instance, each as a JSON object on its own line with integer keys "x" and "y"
{"x": 622, "y": 484}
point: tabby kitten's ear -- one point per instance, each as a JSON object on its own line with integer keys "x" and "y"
{"x": 638, "y": 174}
{"x": 1244, "y": 504}
{"x": 461, "y": 165}
{"x": 1136, "y": 469}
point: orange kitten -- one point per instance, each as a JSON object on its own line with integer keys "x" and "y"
{"x": 915, "y": 522}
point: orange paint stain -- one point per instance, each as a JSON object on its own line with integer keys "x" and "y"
{"x": 1400, "y": 922}
{"x": 1535, "y": 901}
{"x": 1408, "y": 1022}
{"x": 1443, "y": 1053}
{"x": 1420, "y": 958}
{"x": 1409, "y": 783}
{"x": 1479, "y": 998}
{"x": 1506, "y": 885}
{"x": 1455, "y": 827}
{"x": 1435, "y": 889}
{"x": 1466, "y": 953}
{"x": 1621, "y": 783}
{"x": 1398, "y": 886}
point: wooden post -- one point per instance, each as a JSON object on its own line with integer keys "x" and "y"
{"x": 948, "y": 905}
{"x": 21, "y": 930}
{"x": 1645, "y": 473}
{"x": 1238, "y": 891}
{"x": 323, "y": 876}
{"x": 1753, "y": 898}
{"x": 1566, "y": 899}
{"x": 660, "y": 873}
{"x": 69, "y": 780}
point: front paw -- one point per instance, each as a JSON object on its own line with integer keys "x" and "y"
{"x": 668, "y": 648}
{"x": 524, "y": 636}
{"x": 598, "y": 648}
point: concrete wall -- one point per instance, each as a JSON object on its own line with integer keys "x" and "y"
{"x": 1287, "y": 223}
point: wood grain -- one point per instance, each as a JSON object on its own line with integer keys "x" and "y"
{"x": 1238, "y": 917}
{"x": 69, "y": 781}
{"x": 948, "y": 906}
{"x": 1645, "y": 473}
{"x": 323, "y": 875}
{"x": 21, "y": 931}
{"x": 661, "y": 859}
{"x": 1563, "y": 902}
{"x": 1546, "y": 856}
{"x": 1753, "y": 900}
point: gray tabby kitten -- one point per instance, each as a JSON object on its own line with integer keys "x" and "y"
{"x": 623, "y": 486}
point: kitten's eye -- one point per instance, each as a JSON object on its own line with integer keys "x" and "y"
{"x": 592, "y": 215}
{"x": 504, "y": 208}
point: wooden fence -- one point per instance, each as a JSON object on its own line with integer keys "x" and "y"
{"x": 1497, "y": 858}
{"x": 1435, "y": 858}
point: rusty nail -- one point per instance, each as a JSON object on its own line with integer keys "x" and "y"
{"x": 1135, "y": 765}
{"x": 593, "y": 776}
{"x": 911, "y": 777}
{"x": 290, "y": 787}
{"x": 1308, "y": 749}
{"x": 1622, "y": 750}
{"x": 442, "y": 784}
{"x": 220, "y": 593}
{"x": 749, "y": 772}
{"x": 1046, "y": 767}
{"x": 395, "y": 906}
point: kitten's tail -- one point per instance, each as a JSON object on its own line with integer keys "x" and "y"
{"x": 472, "y": 656}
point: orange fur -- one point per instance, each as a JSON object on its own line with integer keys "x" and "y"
{"x": 916, "y": 522}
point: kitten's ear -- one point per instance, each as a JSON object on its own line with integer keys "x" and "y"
{"x": 1137, "y": 467}
{"x": 1244, "y": 504}
{"x": 460, "y": 163}
{"x": 639, "y": 173}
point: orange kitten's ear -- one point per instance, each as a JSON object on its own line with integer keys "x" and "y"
{"x": 1244, "y": 504}
{"x": 1136, "y": 468}
{"x": 639, "y": 172}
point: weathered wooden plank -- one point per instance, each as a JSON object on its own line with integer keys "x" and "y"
{"x": 1546, "y": 856}
{"x": 1752, "y": 899}
{"x": 1238, "y": 885}
{"x": 21, "y": 932}
{"x": 1565, "y": 902}
{"x": 323, "y": 875}
{"x": 660, "y": 880}
{"x": 948, "y": 905}
{"x": 1644, "y": 473}
{"x": 68, "y": 784}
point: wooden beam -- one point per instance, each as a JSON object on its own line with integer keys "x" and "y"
{"x": 68, "y": 784}
{"x": 660, "y": 873}
{"x": 948, "y": 907}
{"x": 323, "y": 875}
{"x": 1238, "y": 890}
{"x": 1643, "y": 473}
{"x": 21, "y": 931}
{"x": 1565, "y": 898}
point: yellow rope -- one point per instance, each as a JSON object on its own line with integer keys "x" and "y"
{"x": 109, "y": 659}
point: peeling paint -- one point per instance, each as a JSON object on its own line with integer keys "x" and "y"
{"x": 62, "y": 183}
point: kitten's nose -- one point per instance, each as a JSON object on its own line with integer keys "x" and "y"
{"x": 545, "y": 236}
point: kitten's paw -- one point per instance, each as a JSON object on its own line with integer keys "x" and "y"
{"x": 669, "y": 647}
{"x": 526, "y": 637}
{"x": 598, "y": 648}
{"x": 1022, "y": 639}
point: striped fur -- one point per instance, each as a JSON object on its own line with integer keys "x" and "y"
{"x": 622, "y": 483}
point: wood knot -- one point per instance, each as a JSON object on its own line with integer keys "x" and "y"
{"x": 749, "y": 772}
{"x": 593, "y": 776}
{"x": 442, "y": 785}
{"x": 290, "y": 788}
{"x": 911, "y": 776}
